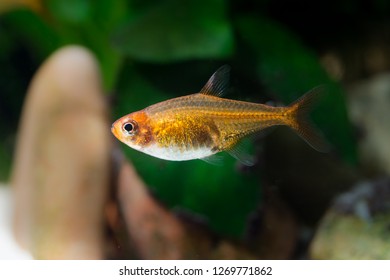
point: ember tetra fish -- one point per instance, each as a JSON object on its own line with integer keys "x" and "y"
{"x": 199, "y": 125}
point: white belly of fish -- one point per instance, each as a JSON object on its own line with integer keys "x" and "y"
{"x": 175, "y": 153}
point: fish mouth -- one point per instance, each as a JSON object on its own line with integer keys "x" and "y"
{"x": 114, "y": 130}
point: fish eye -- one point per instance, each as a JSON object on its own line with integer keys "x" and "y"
{"x": 129, "y": 127}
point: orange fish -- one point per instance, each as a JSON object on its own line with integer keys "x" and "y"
{"x": 199, "y": 125}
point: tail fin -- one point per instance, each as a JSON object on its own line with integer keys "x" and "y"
{"x": 301, "y": 124}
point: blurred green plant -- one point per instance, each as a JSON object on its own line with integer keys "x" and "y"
{"x": 177, "y": 30}
{"x": 153, "y": 50}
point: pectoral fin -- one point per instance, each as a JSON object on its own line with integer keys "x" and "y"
{"x": 239, "y": 153}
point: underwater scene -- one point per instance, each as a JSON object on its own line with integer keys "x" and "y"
{"x": 194, "y": 129}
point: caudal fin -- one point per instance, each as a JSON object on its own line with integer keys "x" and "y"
{"x": 301, "y": 124}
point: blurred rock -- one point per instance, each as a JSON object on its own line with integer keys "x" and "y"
{"x": 307, "y": 180}
{"x": 273, "y": 231}
{"x": 360, "y": 57}
{"x": 366, "y": 199}
{"x": 357, "y": 226}
{"x": 61, "y": 166}
{"x": 368, "y": 104}
{"x": 156, "y": 233}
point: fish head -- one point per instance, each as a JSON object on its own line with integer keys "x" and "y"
{"x": 134, "y": 130}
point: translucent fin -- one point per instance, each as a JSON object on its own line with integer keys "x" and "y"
{"x": 214, "y": 160}
{"x": 261, "y": 134}
{"x": 301, "y": 123}
{"x": 239, "y": 153}
{"x": 218, "y": 83}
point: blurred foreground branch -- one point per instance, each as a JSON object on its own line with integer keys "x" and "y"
{"x": 61, "y": 166}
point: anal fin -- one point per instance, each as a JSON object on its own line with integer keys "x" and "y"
{"x": 214, "y": 160}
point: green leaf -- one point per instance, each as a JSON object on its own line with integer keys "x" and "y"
{"x": 177, "y": 30}
{"x": 70, "y": 11}
{"x": 289, "y": 69}
{"x": 29, "y": 28}
{"x": 222, "y": 195}
{"x": 107, "y": 14}
{"x": 90, "y": 23}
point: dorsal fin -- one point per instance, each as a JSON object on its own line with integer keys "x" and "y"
{"x": 218, "y": 83}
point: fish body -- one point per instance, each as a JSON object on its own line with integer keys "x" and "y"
{"x": 199, "y": 125}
